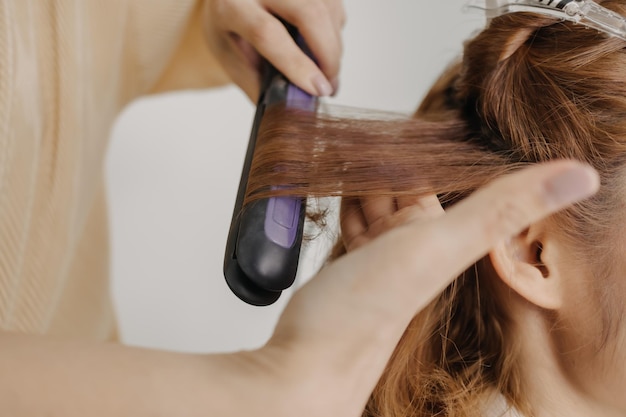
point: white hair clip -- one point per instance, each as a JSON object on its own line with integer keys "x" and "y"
{"x": 585, "y": 12}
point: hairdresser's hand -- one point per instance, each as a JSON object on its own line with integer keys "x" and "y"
{"x": 238, "y": 31}
{"x": 365, "y": 219}
{"x": 337, "y": 333}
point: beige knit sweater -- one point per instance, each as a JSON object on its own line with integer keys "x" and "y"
{"x": 67, "y": 68}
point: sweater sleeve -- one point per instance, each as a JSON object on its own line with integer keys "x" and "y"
{"x": 167, "y": 47}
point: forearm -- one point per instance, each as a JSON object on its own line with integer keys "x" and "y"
{"x": 43, "y": 376}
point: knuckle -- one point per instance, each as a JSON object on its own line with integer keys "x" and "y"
{"x": 313, "y": 11}
{"x": 356, "y": 242}
{"x": 261, "y": 32}
{"x": 385, "y": 224}
{"x": 389, "y": 222}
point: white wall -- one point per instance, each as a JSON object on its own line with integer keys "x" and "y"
{"x": 174, "y": 167}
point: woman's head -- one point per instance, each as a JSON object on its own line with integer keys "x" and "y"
{"x": 547, "y": 307}
{"x": 557, "y": 90}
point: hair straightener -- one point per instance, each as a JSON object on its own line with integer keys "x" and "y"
{"x": 263, "y": 246}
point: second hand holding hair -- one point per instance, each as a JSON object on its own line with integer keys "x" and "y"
{"x": 340, "y": 329}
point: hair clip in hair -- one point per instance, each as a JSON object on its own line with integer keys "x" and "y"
{"x": 584, "y": 12}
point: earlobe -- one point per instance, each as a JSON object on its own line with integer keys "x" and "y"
{"x": 525, "y": 266}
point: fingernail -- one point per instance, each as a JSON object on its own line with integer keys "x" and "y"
{"x": 572, "y": 185}
{"x": 322, "y": 86}
{"x": 335, "y": 84}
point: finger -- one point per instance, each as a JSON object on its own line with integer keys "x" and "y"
{"x": 315, "y": 23}
{"x": 239, "y": 60}
{"x": 375, "y": 208}
{"x": 246, "y": 52}
{"x": 337, "y": 12}
{"x": 352, "y": 220}
{"x": 429, "y": 205}
{"x": 384, "y": 224}
{"x": 243, "y": 64}
{"x": 240, "y": 69}
{"x": 407, "y": 201}
{"x": 272, "y": 40}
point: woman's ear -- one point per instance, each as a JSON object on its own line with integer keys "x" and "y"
{"x": 527, "y": 266}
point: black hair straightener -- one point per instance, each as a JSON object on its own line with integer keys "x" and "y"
{"x": 265, "y": 237}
